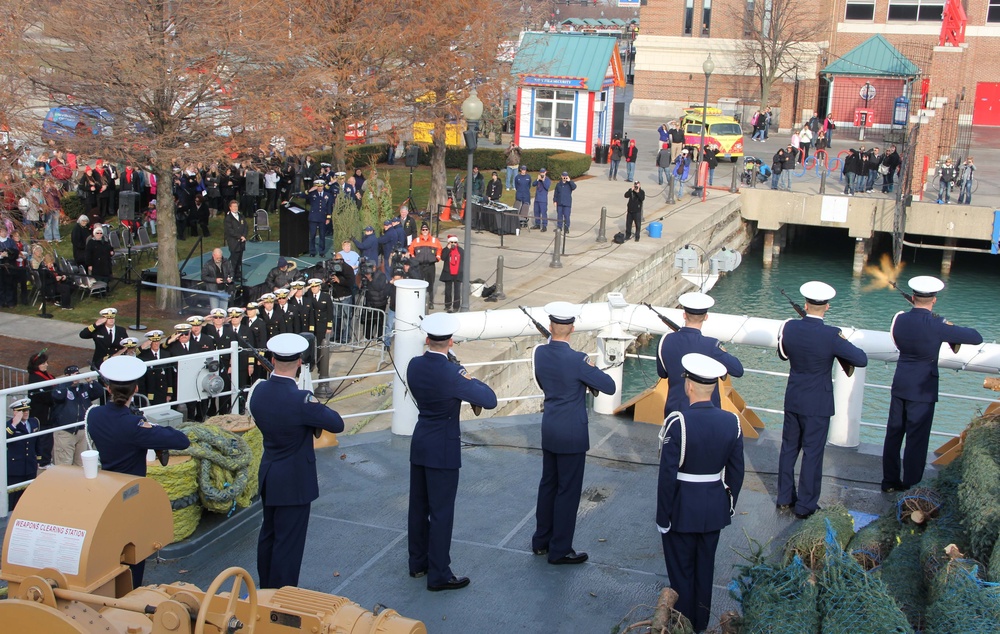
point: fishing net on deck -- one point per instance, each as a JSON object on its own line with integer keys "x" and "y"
{"x": 873, "y": 543}
{"x": 777, "y": 600}
{"x": 979, "y": 490}
{"x": 809, "y": 542}
{"x": 962, "y": 602}
{"x": 851, "y": 600}
{"x": 903, "y": 576}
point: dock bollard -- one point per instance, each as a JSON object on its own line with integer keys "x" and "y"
{"x": 602, "y": 235}
{"x": 499, "y": 292}
{"x": 670, "y": 189}
{"x": 556, "y": 247}
{"x": 734, "y": 187}
{"x": 822, "y": 181}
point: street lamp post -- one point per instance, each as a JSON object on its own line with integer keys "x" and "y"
{"x": 707, "y": 67}
{"x": 472, "y": 110}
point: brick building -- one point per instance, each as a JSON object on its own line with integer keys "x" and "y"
{"x": 957, "y": 52}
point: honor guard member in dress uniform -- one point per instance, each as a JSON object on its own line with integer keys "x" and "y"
{"x": 318, "y": 199}
{"x": 439, "y": 387}
{"x": 319, "y": 321}
{"x": 918, "y": 334}
{"x": 810, "y": 347}
{"x": 297, "y": 301}
{"x": 287, "y": 316}
{"x": 674, "y": 345}
{"x": 122, "y": 436}
{"x": 179, "y": 345}
{"x": 237, "y": 330}
{"x": 201, "y": 340}
{"x": 701, "y": 474}
{"x": 158, "y": 384}
{"x": 22, "y": 456}
{"x": 258, "y": 338}
{"x": 217, "y": 319}
{"x": 287, "y": 418}
{"x": 269, "y": 313}
{"x": 565, "y": 375}
{"x": 106, "y": 336}
{"x": 130, "y": 348}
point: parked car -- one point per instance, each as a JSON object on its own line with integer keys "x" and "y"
{"x": 64, "y": 121}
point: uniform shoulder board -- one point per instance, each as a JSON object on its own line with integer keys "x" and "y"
{"x": 946, "y": 322}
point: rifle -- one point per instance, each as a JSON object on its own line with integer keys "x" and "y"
{"x": 955, "y": 347}
{"x": 543, "y": 331}
{"x": 845, "y": 366}
{"x": 666, "y": 320}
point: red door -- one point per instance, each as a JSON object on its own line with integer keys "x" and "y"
{"x": 987, "y": 111}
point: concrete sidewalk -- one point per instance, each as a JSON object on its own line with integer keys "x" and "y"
{"x": 43, "y": 330}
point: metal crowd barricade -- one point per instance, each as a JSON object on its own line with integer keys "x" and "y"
{"x": 12, "y": 377}
{"x": 8, "y": 395}
{"x": 358, "y": 327}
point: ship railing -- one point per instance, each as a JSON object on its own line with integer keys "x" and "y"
{"x": 877, "y": 386}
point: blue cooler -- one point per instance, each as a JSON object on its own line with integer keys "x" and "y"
{"x": 655, "y": 229}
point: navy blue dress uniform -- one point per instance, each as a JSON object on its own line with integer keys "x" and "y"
{"x": 122, "y": 437}
{"x": 918, "y": 334}
{"x": 287, "y": 418}
{"x": 688, "y": 340}
{"x": 106, "y": 337}
{"x": 257, "y": 338}
{"x": 319, "y": 201}
{"x": 810, "y": 347}
{"x": 159, "y": 381}
{"x": 237, "y": 330}
{"x": 439, "y": 387}
{"x": 700, "y": 478}
{"x": 22, "y": 455}
{"x": 565, "y": 375}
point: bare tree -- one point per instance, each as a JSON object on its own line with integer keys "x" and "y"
{"x": 179, "y": 77}
{"x": 457, "y": 48}
{"x": 341, "y": 67}
{"x": 778, "y": 36}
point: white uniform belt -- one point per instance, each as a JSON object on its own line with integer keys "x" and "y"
{"x": 699, "y": 477}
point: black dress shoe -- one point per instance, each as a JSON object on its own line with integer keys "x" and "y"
{"x": 805, "y": 516}
{"x": 418, "y": 574}
{"x": 784, "y": 507}
{"x": 455, "y": 583}
{"x": 571, "y": 558}
{"x": 539, "y": 551}
{"x": 892, "y": 488}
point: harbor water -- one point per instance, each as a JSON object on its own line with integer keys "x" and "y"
{"x": 826, "y": 254}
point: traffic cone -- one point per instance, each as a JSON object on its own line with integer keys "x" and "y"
{"x": 462, "y": 213}
{"x": 446, "y": 212}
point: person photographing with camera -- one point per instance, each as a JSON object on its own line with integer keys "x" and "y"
{"x": 633, "y": 215}
{"x": 217, "y": 275}
{"x": 341, "y": 282}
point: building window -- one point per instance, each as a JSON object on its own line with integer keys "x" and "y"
{"x": 993, "y": 13}
{"x": 554, "y": 113}
{"x": 706, "y": 17}
{"x": 688, "y": 16}
{"x": 860, "y": 11}
{"x": 748, "y": 19}
{"x": 916, "y": 10}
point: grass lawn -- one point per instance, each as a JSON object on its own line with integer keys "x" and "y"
{"x": 122, "y": 296}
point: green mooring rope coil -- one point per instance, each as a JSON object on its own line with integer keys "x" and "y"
{"x": 224, "y": 465}
{"x": 255, "y": 440}
{"x": 180, "y": 481}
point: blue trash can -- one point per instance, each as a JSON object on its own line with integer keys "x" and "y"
{"x": 655, "y": 229}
